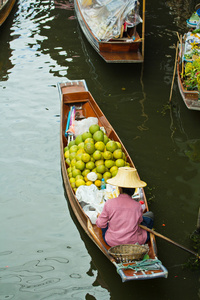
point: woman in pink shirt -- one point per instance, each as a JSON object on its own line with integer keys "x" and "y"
{"x": 121, "y": 216}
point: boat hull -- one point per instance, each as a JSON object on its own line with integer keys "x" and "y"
{"x": 122, "y": 50}
{"x": 5, "y": 10}
{"x": 190, "y": 98}
{"x": 76, "y": 93}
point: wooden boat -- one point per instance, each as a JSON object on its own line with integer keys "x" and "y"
{"x": 123, "y": 44}
{"x": 5, "y": 9}
{"x": 75, "y": 93}
{"x": 190, "y": 96}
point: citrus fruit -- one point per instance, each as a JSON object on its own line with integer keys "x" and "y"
{"x": 90, "y": 165}
{"x": 99, "y": 176}
{"x": 97, "y": 183}
{"x": 111, "y": 146}
{"x": 85, "y": 172}
{"x": 89, "y": 183}
{"x": 119, "y": 145}
{"x": 107, "y": 155}
{"x": 78, "y": 139}
{"x": 78, "y": 177}
{"x": 73, "y": 148}
{"x": 66, "y": 148}
{"x": 97, "y": 155}
{"x": 85, "y": 157}
{"x": 70, "y": 174}
{"x": 94, "y": 170}
{"x": 120, "y": 163}
{"x": 105, "y": 139}
{"x": 71, "y": 143}
{"x": 72, "y": 179}
{"x": 124, "y": 156}
{"x": 127, "y": 164}
{"x": 81, "y": 150}
{"x": 100, "y": 169}
{"x": 67, "y": 161}
{"x": 86, "y": 135}
{"x": 76, "y": 172}
{"x": 109, "y": 163}
{"x": 89, "y": 140}
{"x": 93, "y": 128}
{"x": 98, "y": 136}
{"x": 89, "y": 148}
{"x": 86, "y": 179}
{"x": 107, "y": 175}
{"x": 99, "y": 162}
{"x": 78, "y": 156}
{"x": 69, "y": 170}
{"x": 99, "y": 145}
{"x": 118, "y": 154}
{"x": 114, "y": 169}
{"x": 72, "y": 155}
{"x": 80, "y": 165}
{"x": 81, "y": 145}
{"x": 106, "y": 169}
{"x": 66, "y": 154}
{"x": 73, "y": 162}
{"x": 114, "y": 173}
{"x": 73, "y": 184}
{"x": 80, "y": 182}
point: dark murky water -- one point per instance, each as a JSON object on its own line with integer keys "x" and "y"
{"x": 44, "y": 254}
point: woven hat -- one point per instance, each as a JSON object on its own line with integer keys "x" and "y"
{"x": 128, "y": 178}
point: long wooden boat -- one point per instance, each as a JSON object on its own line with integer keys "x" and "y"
{"x": 111, "y": 29}
{"x": 190, "y": 95}
{"x": 75, "y": 94}
{"x": 5, "y": 9}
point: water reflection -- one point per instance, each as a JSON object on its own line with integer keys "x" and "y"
{"x": 68, "y": 5}
{"x": 181, "y": 10}
{"x": 5, "y": 52}
{"x": 42, "y": 45}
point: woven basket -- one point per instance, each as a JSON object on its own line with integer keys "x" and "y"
{"x": 127, "y": 253}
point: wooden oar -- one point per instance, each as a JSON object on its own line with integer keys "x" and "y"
{"x": 170, "y": 241}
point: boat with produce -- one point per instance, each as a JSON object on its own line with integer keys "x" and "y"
{"x": 5, "y": 9}
{"x": 111, "y": 27}
{"x": 86, "y": 140}
{"x": 188, "y": 64}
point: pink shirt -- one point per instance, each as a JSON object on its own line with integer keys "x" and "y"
{"x": 123, "y": 214}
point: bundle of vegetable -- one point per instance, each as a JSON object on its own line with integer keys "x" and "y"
{"x": 192, "y": 75}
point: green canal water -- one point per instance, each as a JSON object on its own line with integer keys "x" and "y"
{"x": 44, "y": 254}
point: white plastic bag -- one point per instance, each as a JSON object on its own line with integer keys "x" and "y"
{"x": 91, "y": 200}
{"x": 84, "y": 125}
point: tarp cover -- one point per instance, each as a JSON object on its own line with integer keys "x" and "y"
{"x": 108, "y": 18}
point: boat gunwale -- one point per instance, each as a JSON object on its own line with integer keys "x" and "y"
{"x": 5, "y": 10}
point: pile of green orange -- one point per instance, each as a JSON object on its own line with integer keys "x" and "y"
{"x": 93, "y": 151}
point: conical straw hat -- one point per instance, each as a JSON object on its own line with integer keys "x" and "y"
{"x": 127, "y": 177}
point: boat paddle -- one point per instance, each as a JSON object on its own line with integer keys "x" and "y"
{"x": 170, "y": 241}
